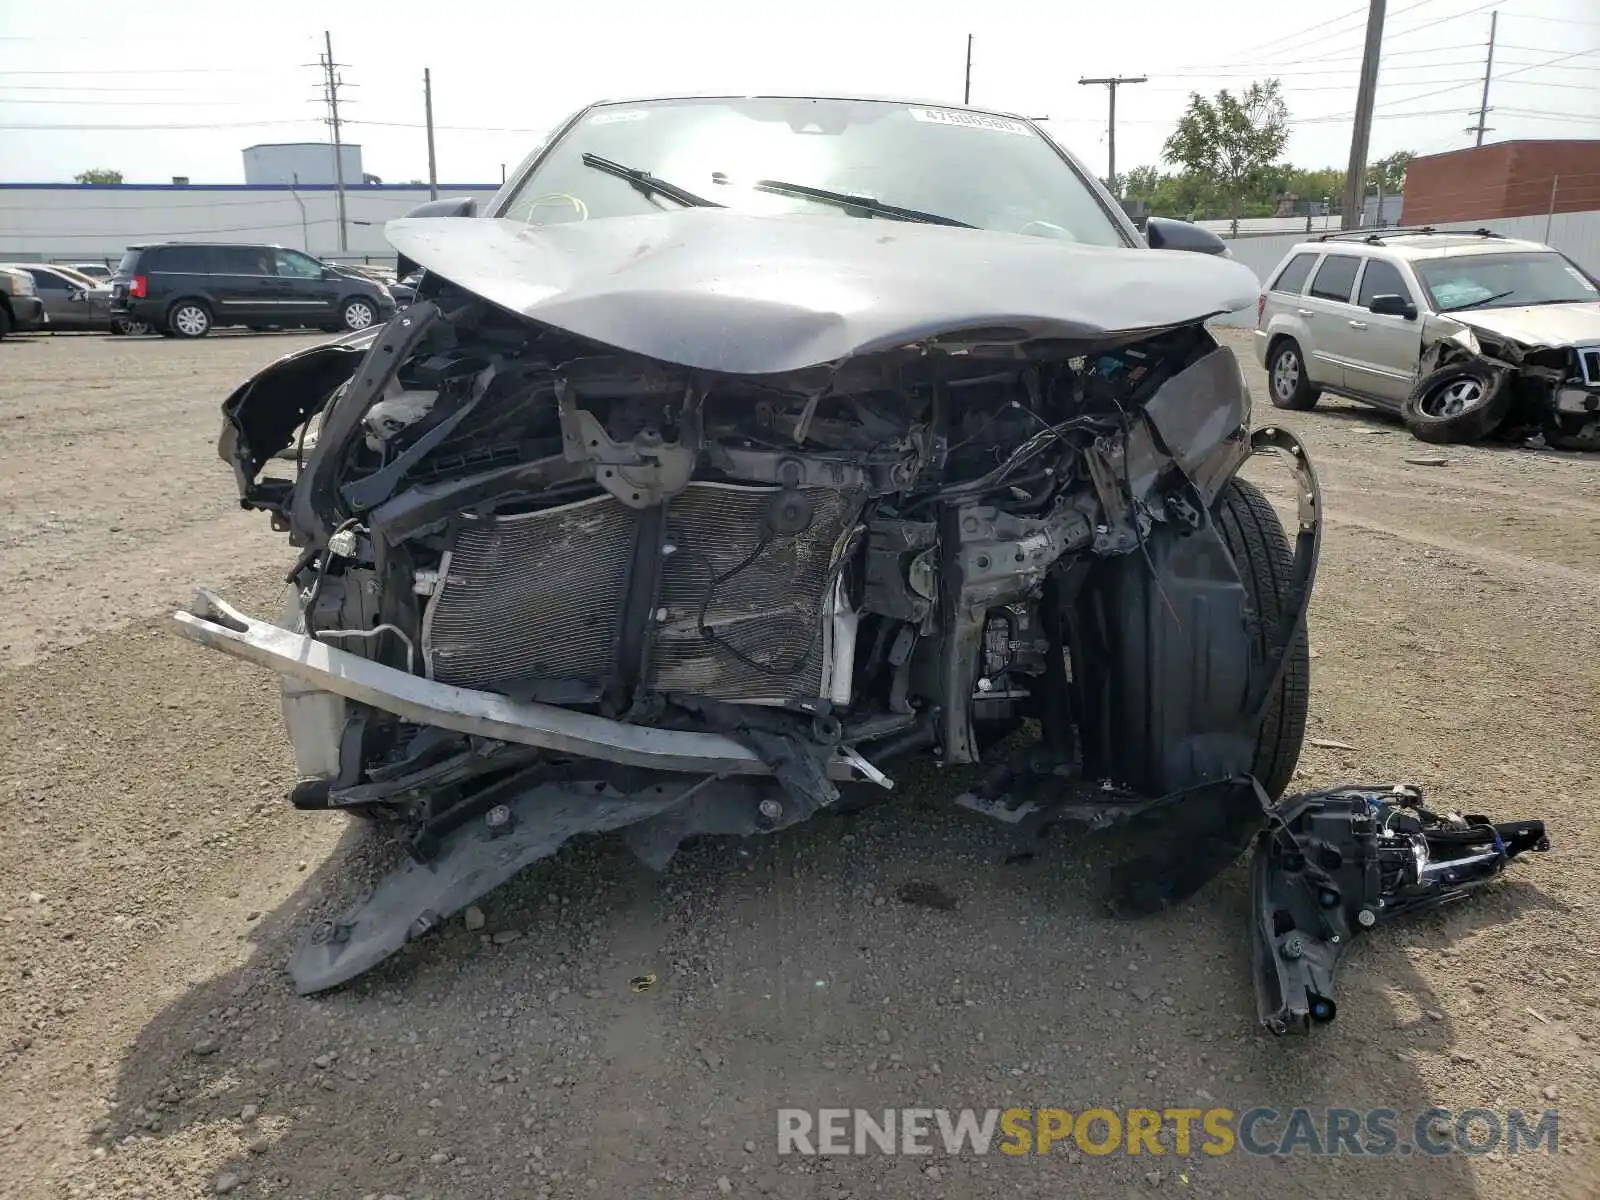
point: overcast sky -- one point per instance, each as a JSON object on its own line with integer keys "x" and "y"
{"x": 174, "y": 88}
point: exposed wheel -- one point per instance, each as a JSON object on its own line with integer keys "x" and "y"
{"x": 1287, "y": 382}
{"x": 358, "y": 314}
{"x": 5, "y": 321}
{"x": 1265, "y": 559}
{"x": 130, "y": 326}
{"x": 190, "y": 319}
{"x": 1461, "y": 402}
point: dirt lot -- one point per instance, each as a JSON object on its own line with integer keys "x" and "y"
{"x": 155, "y": 881}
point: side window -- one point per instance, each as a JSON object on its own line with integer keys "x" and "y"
{"x": 48, "y": 281}
{"x": 179, "y": 260}
{"x": 1381, "y": 279}
{"x": 1335, "y": 278}
{"x": 298, "y": 266}
{"x": 1293, "y": 276}
{"x": 244, "y": 260}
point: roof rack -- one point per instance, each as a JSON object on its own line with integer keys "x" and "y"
{"x": 1376, "y": 236}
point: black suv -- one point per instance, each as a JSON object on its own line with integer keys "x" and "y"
{"x": 184, "y": 289}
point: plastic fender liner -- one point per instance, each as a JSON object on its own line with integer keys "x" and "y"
{"x": 1307, "y": 551}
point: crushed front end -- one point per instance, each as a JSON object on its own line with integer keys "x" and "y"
{"x": 549, "y": 585}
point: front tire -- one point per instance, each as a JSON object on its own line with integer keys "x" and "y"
{"x": 358, "y": 314}
{"x": 189, "y": 319}
{"x": 1288, "y": 385}
{"x": 1261, "y": 551}
{"x": 1461, "y": 402}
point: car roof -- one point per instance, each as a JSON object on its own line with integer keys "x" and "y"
{"x": 863, "y": 97}
{"x": 35, "y": 266}
{"x": 1423, "y": 245}
{"x": 214, "y": 245}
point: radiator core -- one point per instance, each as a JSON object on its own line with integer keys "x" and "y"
{"x": 540, "y": 597}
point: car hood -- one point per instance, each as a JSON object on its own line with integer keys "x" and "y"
{"x": 1538, "y": 324}
{"x": 747, "y": 294}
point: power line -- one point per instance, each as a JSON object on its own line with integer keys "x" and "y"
{"x": 95, "y": 128}
{"x": 1322, "y": 30}
{"x": 1324, "y": 71}
{"x": 97, "y": 71}
{"x": 1398, "y": 33}
{"x": 1553, "y": 20}
{"x": 180, "y": 103}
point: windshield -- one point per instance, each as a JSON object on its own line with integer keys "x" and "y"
{"x": 1503, "y": 280}
{"x": 973, "y": 168}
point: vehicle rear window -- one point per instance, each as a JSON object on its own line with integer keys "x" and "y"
{"x": 1293, "y": 276}
{"x": 1381, "y": 279}
{"x": 178, "y": 260}
{"x": 130, "y": 262}
{"x": 1335, "y": 277}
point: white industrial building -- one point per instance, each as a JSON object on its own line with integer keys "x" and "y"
{"x": 91, "y": 223}
{"x": 301, "y": 163}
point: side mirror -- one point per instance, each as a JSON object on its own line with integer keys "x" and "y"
{"x": 1163, "y": 233}
{"x": 76, "y": 295}
{"x": 456, "y": 206}
{"x": 1389, "y": 305}
{"x": 329, "y": 273}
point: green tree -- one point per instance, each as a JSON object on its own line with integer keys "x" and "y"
{"x": 1231, "y": 141}
{"x": 100, "y": 175}
{"x": 1389, "y": 172}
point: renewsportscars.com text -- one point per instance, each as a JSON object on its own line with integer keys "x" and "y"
{"x": 1262, "y": 1131}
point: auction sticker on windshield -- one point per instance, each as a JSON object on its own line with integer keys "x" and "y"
{"x": 972, "y": 120}
{"x": 613, "y": 118}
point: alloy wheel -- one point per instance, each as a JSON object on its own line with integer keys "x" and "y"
{"x": 1285, "y": 374}
{"x": 1453, "y": 399}
{"x": 191, "y": 320}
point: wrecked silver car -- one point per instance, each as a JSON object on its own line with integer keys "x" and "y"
{"x": 745, "y": 449}
{"x": 1463, "y": 333}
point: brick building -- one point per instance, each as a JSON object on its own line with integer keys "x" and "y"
{"x": 1505, "y": 179}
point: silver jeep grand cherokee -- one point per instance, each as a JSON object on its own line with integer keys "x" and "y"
{"x": 1463, "y": 333}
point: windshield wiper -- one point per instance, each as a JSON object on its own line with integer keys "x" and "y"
{"x": 866, "y": 203}
{"x": 648, "y": 183}
{"x": 1479, "y": 303}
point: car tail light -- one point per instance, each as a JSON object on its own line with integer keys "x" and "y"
{"x": 136, "y": 289}
{"x": 1261, "y": 308}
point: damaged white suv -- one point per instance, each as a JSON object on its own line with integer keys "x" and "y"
{"x": 744, "y": 450}
{"x": 1464, "y": 333}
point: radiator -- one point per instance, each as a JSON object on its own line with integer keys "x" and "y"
{"x": 540, "y": 596}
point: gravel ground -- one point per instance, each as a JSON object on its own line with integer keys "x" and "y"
{"x": 156, "y": 881}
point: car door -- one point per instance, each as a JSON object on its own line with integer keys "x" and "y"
{"x": 1385, "y": 348}
{"x": 56, "y": 296}
{"x": 1326, "y": 309}
{"x": 246, "y": 284}
{"x": 307, "y": 297}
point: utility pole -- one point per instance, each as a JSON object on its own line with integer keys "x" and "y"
{"x": 427, "y": 104}
{"x": 1488, "y": 69}
{"x": 331, "y": 85}
{"x": 1355, "y": 180}
{"x": 1111, "y": 83}
{"x": 966, "y": 92}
